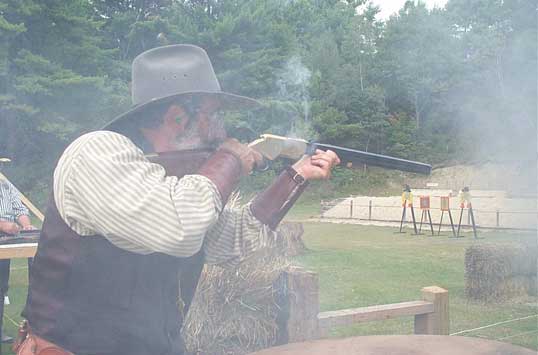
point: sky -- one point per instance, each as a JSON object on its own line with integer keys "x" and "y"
{"x": 388, "y": 7}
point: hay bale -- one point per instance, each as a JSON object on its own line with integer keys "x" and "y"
{"x": 234, "y": 311}
{"x": 499, "y": 272}
{"x": 289, "y": 239}
{"x": 513, "y": 286}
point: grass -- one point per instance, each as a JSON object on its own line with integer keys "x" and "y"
{"x": 365, "y": 265}
{"x": 18, "y": 286}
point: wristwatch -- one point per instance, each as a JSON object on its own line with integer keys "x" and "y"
{"x": 295, "y": 176}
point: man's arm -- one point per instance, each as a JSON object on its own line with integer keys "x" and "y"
{"x": 18, "y": 210}
{"x": 104, "y": 185}
{"x": 241, "y": 231}
{"x": 21, "y": 212}
{"x": 236, "y": 235}
{"x": 8, "y": 227}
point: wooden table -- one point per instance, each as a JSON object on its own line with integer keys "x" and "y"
{"x": 23, "y": 250}
{"x": 23, "y": 245}
{"x": 399, "y": 345}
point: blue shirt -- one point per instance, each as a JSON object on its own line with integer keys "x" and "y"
{"x": 11, "y": 207}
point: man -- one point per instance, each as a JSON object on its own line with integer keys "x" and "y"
{"x": 124, "y": 238}
{"x": 13, "y": 217}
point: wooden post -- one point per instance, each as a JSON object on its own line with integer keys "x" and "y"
{"x": 297, "y": 292}
{"x": 436, "y": 323}
{"x": 370, "y": 210}
{"x": 351, "y": 208}
{"x": 498, "y": 218}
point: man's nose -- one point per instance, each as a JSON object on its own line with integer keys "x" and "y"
{"x": 217, "y": 131}
{"x": 214, "y": 128}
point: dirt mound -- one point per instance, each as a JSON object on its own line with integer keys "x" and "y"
{"x": 514, "y": 178}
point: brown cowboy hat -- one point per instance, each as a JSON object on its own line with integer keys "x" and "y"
{"x": 164, "y": 74}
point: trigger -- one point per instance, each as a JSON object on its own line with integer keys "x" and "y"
{"x": 263, "y": 165}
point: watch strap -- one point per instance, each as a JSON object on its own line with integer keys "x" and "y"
{"x": 271, "y": 205}
{"x": 295, "y": 176}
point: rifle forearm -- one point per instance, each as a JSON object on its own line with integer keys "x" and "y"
{"x": 358, "y": 157}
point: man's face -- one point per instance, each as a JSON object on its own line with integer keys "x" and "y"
{"x": 188, "y": 126}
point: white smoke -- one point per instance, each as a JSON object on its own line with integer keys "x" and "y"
{"x": 293, "y": 83}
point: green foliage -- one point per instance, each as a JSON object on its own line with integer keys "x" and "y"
{"x": 57, "y": 82}
{"x": 497, "y": 90}
{"x": 439, "y": 85}
{"x": 417, "y": 59}
{"x": 333, "y": 125}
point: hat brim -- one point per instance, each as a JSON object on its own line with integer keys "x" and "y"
{"x": 227, "y": 102}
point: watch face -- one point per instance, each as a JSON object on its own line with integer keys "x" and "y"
{"x": 298, "y": 179}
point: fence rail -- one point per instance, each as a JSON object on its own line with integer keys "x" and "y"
{"x": 301, "y": 320}
{"x": 328, "y": 320}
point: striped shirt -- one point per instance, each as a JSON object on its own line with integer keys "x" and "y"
{"x": 103, "y": 185}
{"x": 11, "y": 207}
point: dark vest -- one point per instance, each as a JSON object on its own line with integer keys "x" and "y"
{"x": 91, "y": 297}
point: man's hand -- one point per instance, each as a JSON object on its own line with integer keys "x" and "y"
{"x": 249, "y": 157}
{"x": 25, "y": 222}
{"x": 317, "y": 166}
{"x": 9, "y": 227}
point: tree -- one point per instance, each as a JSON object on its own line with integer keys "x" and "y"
{"x": 417, "y": 57}
{"x": 57, "y": 80}
{"x": 498, "y": 86}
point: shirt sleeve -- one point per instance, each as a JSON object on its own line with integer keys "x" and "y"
{"x": 110, "y": 188}
{"x": 18, "y": 208}
{"x": 236, "y": 235}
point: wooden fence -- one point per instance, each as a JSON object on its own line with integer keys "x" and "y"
{"x": 300, "y": 319}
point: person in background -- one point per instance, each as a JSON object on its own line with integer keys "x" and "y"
{"x": 14, "y": 217}
{"x": 465, "y": 197}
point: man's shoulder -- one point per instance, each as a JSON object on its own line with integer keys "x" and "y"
{"x": 98, "y": 140}
{"x": 100, "y": 135}
{"x": 97, "y": 144}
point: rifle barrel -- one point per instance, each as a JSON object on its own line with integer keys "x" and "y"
{"x": 357, "y": 157}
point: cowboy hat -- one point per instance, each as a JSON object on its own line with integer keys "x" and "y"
{"x": 165, "y": 74}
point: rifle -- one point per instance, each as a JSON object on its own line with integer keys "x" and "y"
{"x": 24, "y": 236}
{"x": 272, "y": 147}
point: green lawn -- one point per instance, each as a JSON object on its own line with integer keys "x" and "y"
{"x": 18, "y": 284}
{"x": 364, "y": 265}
